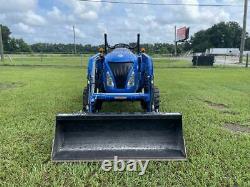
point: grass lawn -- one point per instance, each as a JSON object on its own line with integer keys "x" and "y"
{"x": 215, "y": 103}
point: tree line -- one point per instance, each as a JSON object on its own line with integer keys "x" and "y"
{"x": 221, "y": 35}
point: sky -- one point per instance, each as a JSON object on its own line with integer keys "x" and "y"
{"x": 52, "y": 21}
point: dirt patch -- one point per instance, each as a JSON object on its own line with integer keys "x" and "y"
{"x": 217, "y": 106}
{"x": 10, "y": 85}
{"x": 230, "y": 112}
{"x": 237, "y": 128}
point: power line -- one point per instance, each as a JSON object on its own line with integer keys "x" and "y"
{"x": 162, "y": 4}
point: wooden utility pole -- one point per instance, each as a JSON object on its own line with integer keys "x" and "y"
{"x": 175, "y": 42}
{"x": 1, "y": 44}
{"x": 74, "y": 39}
{"x": 243, "y": 36}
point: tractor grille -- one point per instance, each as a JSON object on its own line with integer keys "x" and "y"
{"x": 120, "y": 72}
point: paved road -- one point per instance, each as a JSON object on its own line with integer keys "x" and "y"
{"x": 227, "y": 60}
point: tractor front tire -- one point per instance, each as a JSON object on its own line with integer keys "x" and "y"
{"x": 97, "y": 106}
{"x": 155, "y": 102}
{"x": 144, "y": 105}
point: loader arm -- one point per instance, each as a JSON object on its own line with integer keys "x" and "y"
{"x": 119, "y": 74}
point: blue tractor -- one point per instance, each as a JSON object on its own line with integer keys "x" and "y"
{"x": 119, "y": 73}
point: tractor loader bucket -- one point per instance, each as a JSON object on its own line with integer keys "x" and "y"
{"x": 97, "y": 137}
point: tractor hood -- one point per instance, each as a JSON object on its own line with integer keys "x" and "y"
{"x": 121, "y": 66}
{"x": 121, "y": 55}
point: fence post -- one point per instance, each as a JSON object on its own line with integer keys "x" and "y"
{"x": 247, "y": 61}
{"x": 81, "y": 56}
{"x": 1, "y": 44}
{"x": 41, "y": 57}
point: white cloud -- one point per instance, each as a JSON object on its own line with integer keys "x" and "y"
{"x": 24, "y": 28}
{"x": 83, "y": 11}
{"x": 79, "y": 33}
{"x": 21, "y": 16}
{"x": 33, "y": 19}
{"x": 2, "y": 17}
{"x": 121, "y": 22}
{"x": 55, "y": 13}
{"x": 17, "y": 5}
{"x": 89, "y": 15}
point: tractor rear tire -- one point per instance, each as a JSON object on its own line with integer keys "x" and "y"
{"x": 85, "y": 99}
{"x": 156, "y": 99}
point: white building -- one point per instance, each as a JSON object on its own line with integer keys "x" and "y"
{"x": 246, "y": 52}
{"x": 223, "y": 51}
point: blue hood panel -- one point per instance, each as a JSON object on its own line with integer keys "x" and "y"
{"x": 121, "y": 55}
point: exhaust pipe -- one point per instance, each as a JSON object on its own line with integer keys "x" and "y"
{"x": 101, "y": 136}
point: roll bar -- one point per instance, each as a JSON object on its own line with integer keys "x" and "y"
{"x": 119, "y": 45}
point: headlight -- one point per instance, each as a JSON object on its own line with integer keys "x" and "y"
{"x": 131, "y": 81}
{"x": 109, "y": 80}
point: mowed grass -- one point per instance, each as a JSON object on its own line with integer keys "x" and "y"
{"x": 209, "y": 98}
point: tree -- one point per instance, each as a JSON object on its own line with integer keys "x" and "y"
{"x": 11, "y": 44}
{"x": 184, "y": 47}
{"x": 6, "y": 37}
{"x": 200, "y": 41}
{"x": 18, "y": 45}
{"x": 225, "y": 35}
{"x": 247, "y": 44}
{"x": 221, "y": 35}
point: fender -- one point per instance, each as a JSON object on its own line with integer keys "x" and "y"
{"x": 148, "y": 65}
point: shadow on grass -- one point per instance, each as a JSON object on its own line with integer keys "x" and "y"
{"x": 10, "y": 85}
{"x": 237, "y": 128}
{"x": 122, "y": 106}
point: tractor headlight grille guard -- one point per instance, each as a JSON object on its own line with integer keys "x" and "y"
{"x": 109, "y": 80}
{"x": 120, "y": 71}
{"x": 131, "y": 80}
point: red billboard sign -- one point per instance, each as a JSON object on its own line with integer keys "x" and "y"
{"x": 182, "y": 34}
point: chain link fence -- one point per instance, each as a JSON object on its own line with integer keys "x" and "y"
{"x": 81, "y": 60}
